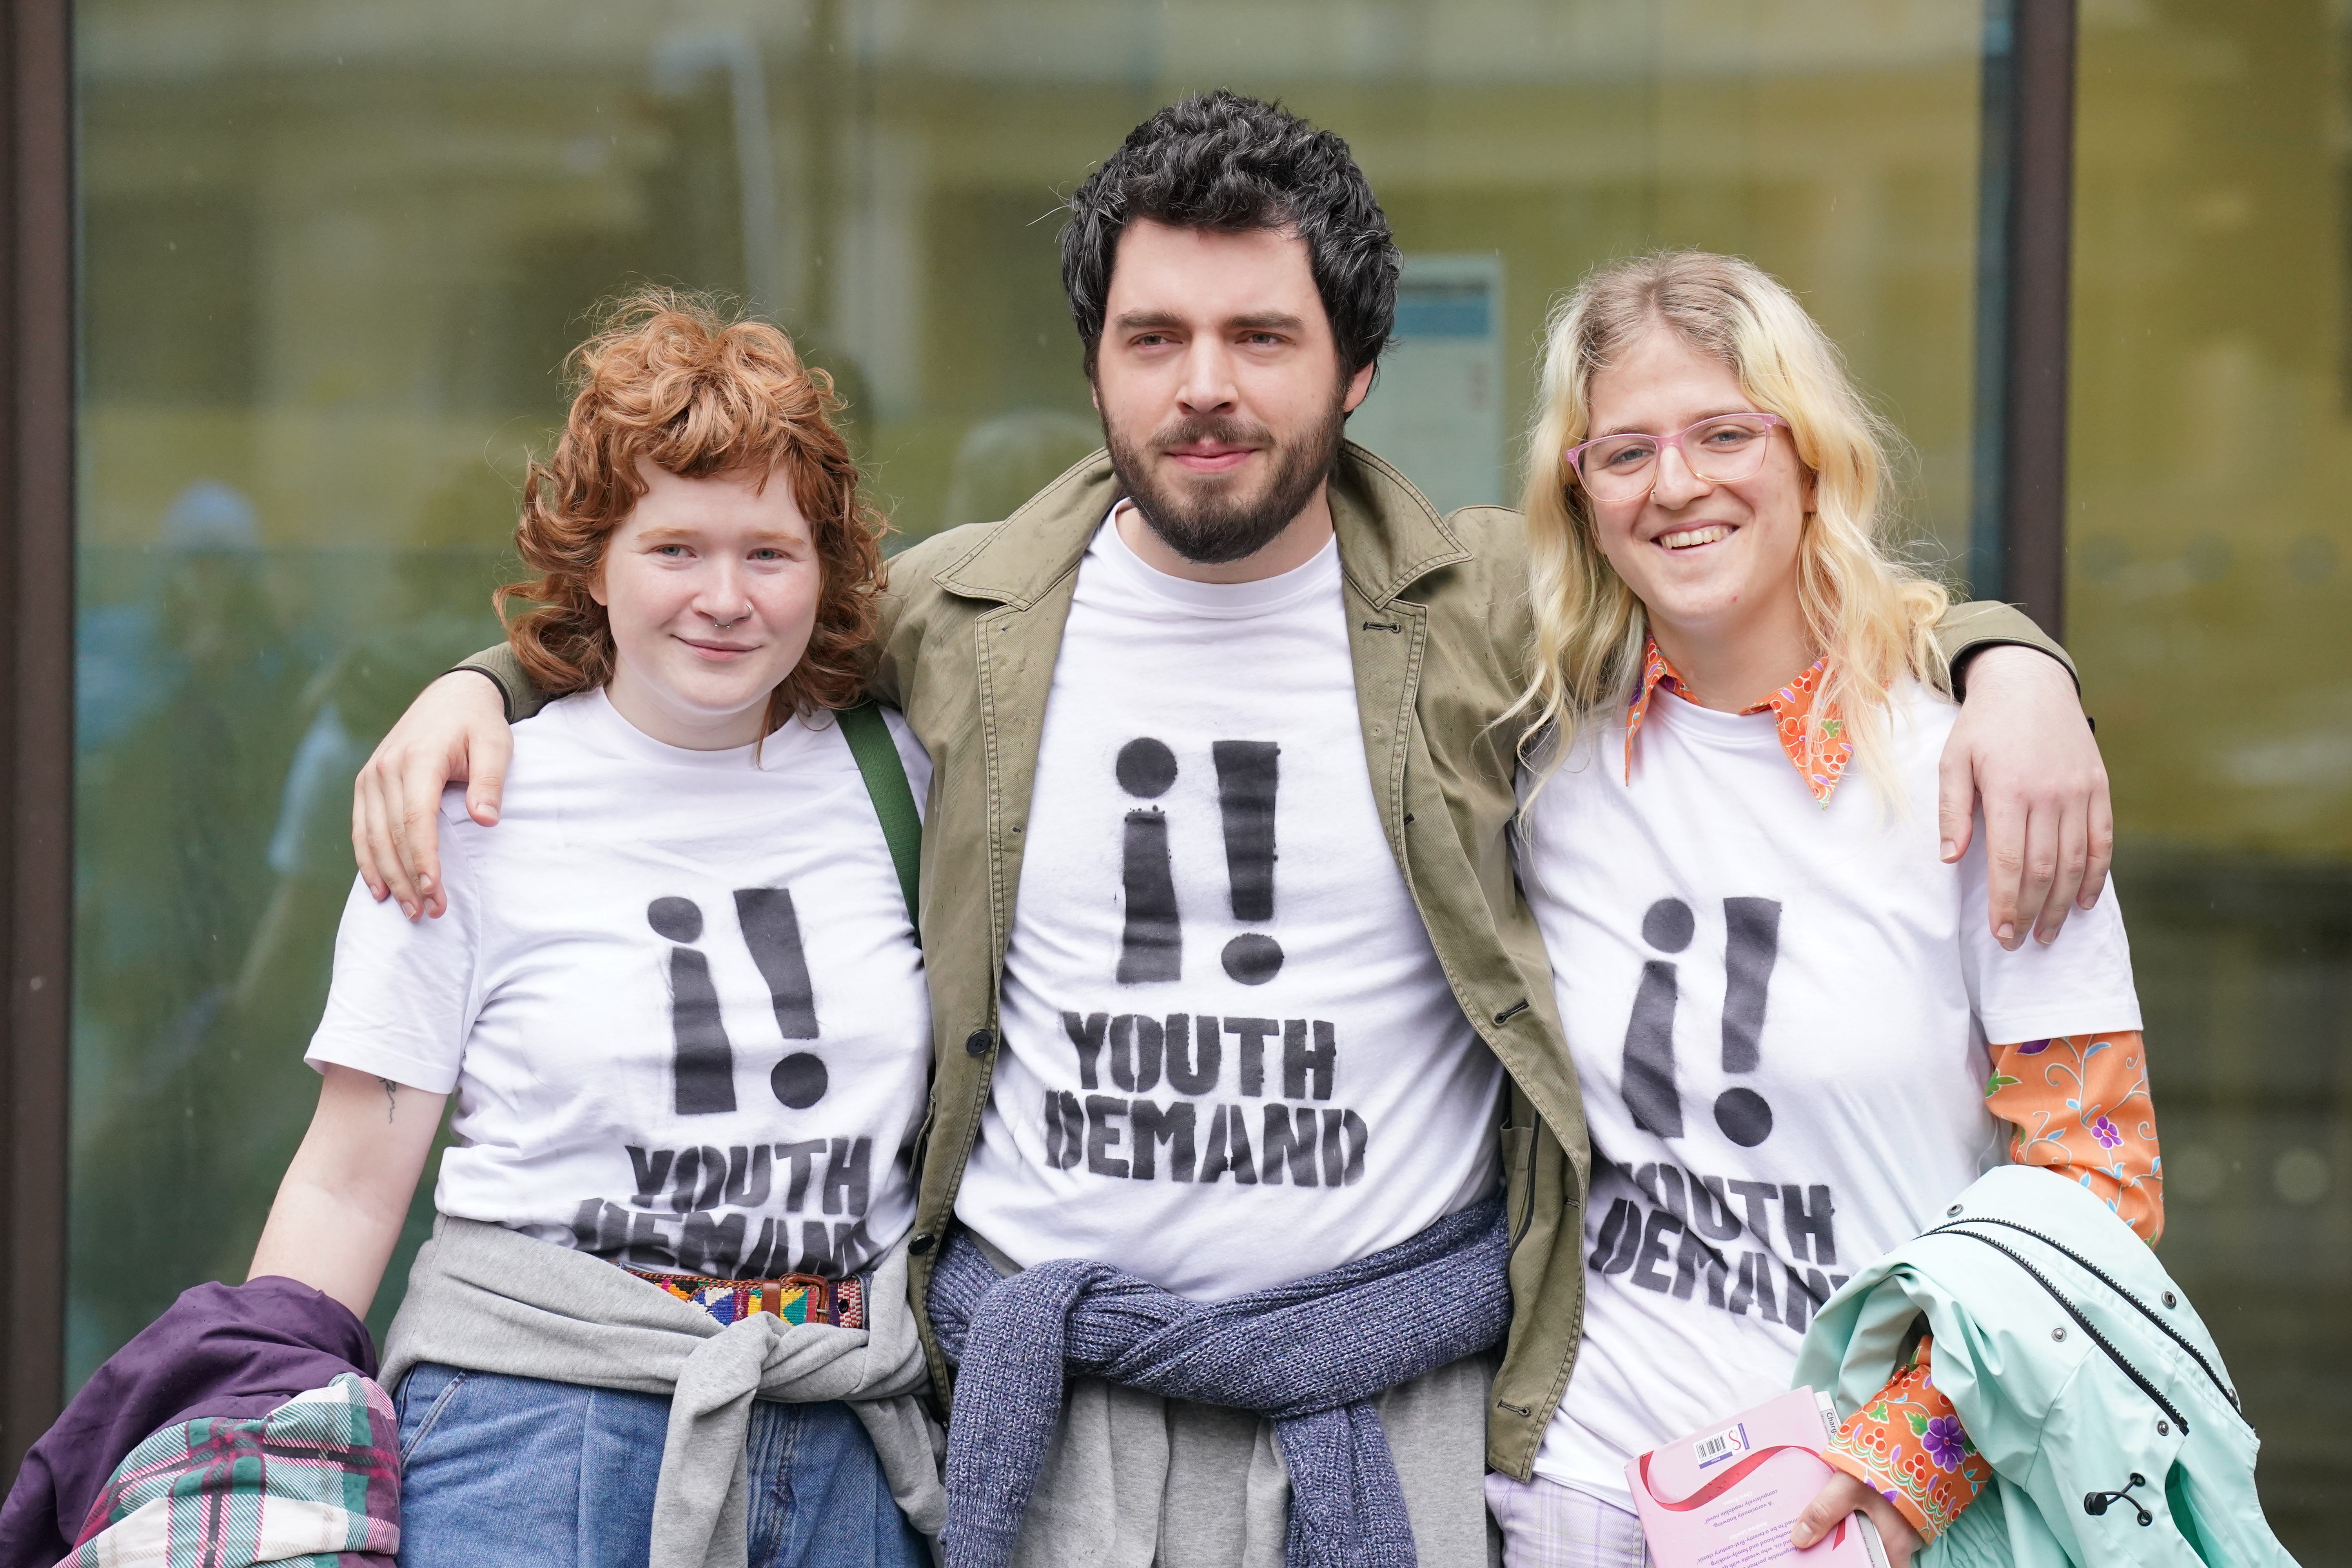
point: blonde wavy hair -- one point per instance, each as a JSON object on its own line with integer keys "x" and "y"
{"x": 1868, "y": 611}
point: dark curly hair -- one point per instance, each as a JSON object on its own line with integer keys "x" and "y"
{"x": 1222, "y": 161}
{"x": 698, "y": 391}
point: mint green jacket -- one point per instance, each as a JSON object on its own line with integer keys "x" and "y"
{"x": 2073, "y": 1375}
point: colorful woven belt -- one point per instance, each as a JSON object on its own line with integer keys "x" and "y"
{"x": 795, "y": 1298}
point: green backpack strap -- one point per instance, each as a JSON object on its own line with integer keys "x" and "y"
{"x": 885, "y": 772}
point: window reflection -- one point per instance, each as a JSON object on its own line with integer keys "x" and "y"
{"x": 2210, "y": 608}
{"x": 333, "y": 253}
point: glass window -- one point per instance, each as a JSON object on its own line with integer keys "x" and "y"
{"x": 2209, "y": 594}
{"x": 332, "y": 256}
{"x": 335, "y": 254}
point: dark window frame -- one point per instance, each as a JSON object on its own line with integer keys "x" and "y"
{"x": 2025, "y": 215}
{"x": 36, "y": 737}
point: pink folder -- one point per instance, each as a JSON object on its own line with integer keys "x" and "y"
{"x": 1725, "y": 1496}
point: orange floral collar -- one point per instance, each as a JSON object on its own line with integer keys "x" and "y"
{"x": 1819, "y": 752}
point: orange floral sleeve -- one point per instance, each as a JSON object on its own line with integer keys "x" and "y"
{"x": 2081, "y": 1108}
{"x": 1908, "y": 1446}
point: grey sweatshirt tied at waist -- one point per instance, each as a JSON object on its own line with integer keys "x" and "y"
{"x": 487, "y": 1299}
{"x": 1311, "y": 1355}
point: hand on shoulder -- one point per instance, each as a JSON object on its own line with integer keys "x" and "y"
{"x": 455, "y": 731}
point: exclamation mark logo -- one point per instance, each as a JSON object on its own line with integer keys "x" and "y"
{"x": 704, "y": 1063}
{"x": 772, "y": 931}
{"x": 1650, "y": 1034}
{"x": 1751, "y": 945}
{"x": 1248, "y": 773}
{"x": 1151, "y": 944}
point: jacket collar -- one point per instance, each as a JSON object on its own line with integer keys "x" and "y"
{"x": 1389, "y": 536}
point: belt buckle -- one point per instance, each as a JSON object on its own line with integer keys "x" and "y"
{"x": 812, "y": 1298}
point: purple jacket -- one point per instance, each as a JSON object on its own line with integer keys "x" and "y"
{"x": 219, "y": 1350}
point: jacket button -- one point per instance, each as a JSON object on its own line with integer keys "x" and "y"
{"x": 2164, "y": 1428}
{"x": 921, "y": 1244}
{"x": 978, "y": 1042}
{"x": 2170, "y": 1299}
{"x": 1953, "y": 1210}
{"x": 2058, "y": 1334}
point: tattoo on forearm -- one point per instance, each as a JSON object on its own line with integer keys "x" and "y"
{"x": 390, "y": 1097}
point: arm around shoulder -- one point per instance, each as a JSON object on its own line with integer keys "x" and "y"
{"x": 458, "y": 729}
{"x": 2023, "y": 750}
{"x": 499, "y": 666}
{"x": 1967, "y": 629}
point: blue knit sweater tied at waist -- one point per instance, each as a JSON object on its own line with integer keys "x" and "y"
{"x": 1311, "y": 1355}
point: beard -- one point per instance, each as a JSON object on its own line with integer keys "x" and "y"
{"x": 1216, "y": 520}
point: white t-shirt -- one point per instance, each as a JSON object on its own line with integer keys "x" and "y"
{"x": 1779, "y": 1014}
{"x": 1231, "y": 1057}
{"x": 677, "y": 994}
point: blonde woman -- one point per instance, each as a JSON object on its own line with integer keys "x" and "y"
{"x": 1792, "y": 1025}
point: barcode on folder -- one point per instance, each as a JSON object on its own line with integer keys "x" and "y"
{"x": 1722, "y": 1445}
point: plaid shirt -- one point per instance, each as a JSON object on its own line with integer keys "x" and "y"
{"x": 317, "y": 1482}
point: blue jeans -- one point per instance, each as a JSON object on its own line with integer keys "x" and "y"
{"x": 530, "y": 1474}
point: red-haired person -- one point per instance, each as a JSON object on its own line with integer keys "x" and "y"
{"x": 678, "y": 997}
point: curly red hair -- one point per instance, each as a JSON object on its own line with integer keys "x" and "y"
{"x": 698, "y": 391}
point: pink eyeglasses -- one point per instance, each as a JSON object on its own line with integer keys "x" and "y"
{"x": 1721, "y": 450}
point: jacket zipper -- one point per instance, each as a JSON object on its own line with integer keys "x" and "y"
{"x": 2096, "y": 1272}
{"x": 2098, "y": 1338}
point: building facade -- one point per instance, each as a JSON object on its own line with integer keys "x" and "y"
{"x": 291, "y": 281}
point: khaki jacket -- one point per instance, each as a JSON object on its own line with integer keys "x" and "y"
{"x": 1439, "y": 627}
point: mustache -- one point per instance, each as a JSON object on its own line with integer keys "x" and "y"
{"x": 1225, "y": 432}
